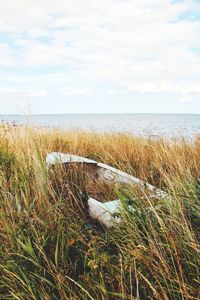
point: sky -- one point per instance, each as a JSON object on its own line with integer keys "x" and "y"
{"x": 99, "y": 56}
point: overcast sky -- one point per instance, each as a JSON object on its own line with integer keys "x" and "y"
{"x": 84, "y": 56}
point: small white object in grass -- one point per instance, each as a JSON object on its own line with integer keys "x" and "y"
{"x": 104, "y": 212}
{"x": 62, "y": 158}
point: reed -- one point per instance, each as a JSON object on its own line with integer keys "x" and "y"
{"x": 50, "y": 249}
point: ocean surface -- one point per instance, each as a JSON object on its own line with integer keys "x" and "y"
{"x": 170, "y": 125}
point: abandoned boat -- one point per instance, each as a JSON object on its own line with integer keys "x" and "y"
{"x": 105, "y": 212}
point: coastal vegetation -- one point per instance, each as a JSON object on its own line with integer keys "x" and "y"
{"x": 51, "y": 249}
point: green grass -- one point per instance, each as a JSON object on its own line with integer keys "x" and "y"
{"x": 51, "y": 249}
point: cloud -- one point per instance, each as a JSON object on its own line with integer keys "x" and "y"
{"x": 186, "y": 98}
{"x": 78, "y": 92}
{"x": 75, "y": 47}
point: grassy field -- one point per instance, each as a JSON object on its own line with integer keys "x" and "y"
{"x": 51, "y": 249}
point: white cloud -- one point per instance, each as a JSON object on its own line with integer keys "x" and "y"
{"x": 78, "y": 92}
{"x": 111, "y": 92}
{"x": 142, "y": 46}
{"x": 186, "y": 98}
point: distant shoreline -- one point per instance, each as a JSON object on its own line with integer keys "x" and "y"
{"x": 162, "y": 125}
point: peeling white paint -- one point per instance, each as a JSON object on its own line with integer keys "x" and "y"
{"x": 62, "y": 158}
{"x": 113, "y": 174}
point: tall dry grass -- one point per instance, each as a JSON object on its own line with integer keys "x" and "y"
{"x": 51, "y": 249}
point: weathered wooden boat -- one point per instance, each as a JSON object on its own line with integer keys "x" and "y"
{"x": 104, "y": 212}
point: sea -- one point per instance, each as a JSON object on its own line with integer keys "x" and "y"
{"x": 158, "y": 125}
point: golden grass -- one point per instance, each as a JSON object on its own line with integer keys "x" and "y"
{"x": 51, "y": 249}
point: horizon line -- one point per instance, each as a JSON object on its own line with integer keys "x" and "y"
{"x": 101, "y": 113}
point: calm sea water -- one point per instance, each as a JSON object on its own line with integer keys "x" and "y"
{"x": 141, "y": 124}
